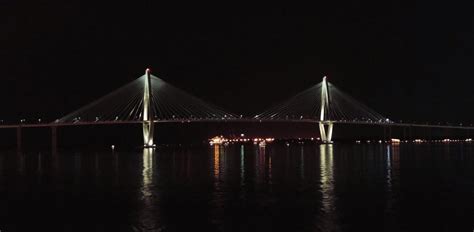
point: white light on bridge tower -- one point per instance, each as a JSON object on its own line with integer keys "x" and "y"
{"x": 324, "y": 120}
{"x": 148, "y": 123}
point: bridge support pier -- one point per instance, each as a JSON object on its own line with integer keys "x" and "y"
{"x": 148, "y": 131}
{"x": 387, "y": 133}
{"x": 18, "y": 138}
{"x": 54, "y": 138}
{"x": 326, "y": 134}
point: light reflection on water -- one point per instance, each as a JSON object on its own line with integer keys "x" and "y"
{"x": 392, "y": 179}
{"x": 326, "y": 155}
{"x": 242, "y": 166}
{"x": 302, "y": 162}
{"x": 148, "y": 216}
{"x": 147, "y": 173}
{"x": 332, "y": 187}
{"x": 217, "y": 164}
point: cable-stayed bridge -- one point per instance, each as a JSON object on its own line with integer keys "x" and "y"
{"x": 149, "y": 100}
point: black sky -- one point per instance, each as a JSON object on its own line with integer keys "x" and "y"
{"x": 411, "y": 62}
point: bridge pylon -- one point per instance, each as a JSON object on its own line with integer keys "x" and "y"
{"x": 325, "y": 125}
{"x": 148, "y": 118}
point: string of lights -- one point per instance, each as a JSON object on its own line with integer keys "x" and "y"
{"x": 167, "y": 103}
{"x": 307, "y": 105}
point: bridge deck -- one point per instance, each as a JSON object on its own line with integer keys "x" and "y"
{"x": 243, "y": 120}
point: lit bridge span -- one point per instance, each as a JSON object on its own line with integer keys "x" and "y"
{"x": 149, "y": 100}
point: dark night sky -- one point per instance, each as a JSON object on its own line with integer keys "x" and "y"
{"x": 407, "y": 61}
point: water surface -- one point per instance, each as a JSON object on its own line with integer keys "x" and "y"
{"x": 301, "y": 187}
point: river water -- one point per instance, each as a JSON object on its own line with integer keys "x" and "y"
{"x": 300, "y": 187}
